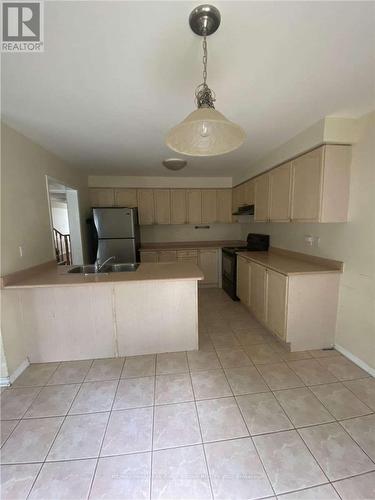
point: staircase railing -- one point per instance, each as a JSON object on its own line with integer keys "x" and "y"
{"x": 62, "y": 247}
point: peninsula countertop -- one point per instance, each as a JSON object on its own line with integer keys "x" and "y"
{"x": 54, "y": 275}
{"x": 293, "y": 263}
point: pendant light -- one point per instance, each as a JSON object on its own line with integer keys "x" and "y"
{"x": 205, "y": 132}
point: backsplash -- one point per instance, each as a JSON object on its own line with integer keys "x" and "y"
{"x": 160, "y": 233}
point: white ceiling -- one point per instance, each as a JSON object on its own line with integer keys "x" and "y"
{"x": 115, "y": 76}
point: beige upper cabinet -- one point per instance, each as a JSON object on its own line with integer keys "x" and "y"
{"x": 249, "y": 194}
{"x": 209, "y": 213}
{"x": 194, "y": 205}
{"x": 307, "y": 186}
{"x": 258, "y": 286}
{"x": 224, "y": 205}
{"x": 125, "y": 197}
{"x": 178, "y": 206}
{"x": 146, "y": 206}
{"x": 280, "y": 193}
{"x": 208, "y": 261}
{"x": 243, "y": 280}
{"x": 162, "y": 200}
{"x": 276, "y": 303}
{"x": 262, "y": 194}
{"x": 102, "y": 197}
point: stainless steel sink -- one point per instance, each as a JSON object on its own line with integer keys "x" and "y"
{"x": 123, "y": 268}
{"x": 110, "y": 268}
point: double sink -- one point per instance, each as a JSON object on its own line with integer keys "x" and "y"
{"x": 107, "y": 268}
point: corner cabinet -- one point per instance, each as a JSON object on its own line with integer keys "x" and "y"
{"x": 262, "y": 198}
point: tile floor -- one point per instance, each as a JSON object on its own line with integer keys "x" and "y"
{"x": 240, "y": 418}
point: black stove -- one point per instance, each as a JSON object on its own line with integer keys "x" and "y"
{"x": 255, "y": 243}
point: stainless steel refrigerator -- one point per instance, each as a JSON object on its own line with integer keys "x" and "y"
{"x": 117, "y": 234}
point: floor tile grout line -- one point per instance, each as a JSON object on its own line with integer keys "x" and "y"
{"x": 356, "y": 442}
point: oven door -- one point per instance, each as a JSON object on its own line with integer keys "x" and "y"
{"x": 229, "y": 265}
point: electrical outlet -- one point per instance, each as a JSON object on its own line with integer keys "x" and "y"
{"x": 20, "y": 250}
{"x": 309, "y": 240}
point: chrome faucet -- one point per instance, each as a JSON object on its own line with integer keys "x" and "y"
{"x": 99, "y": 266}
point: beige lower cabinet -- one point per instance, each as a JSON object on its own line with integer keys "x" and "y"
{"x": 149, "y": 256}
{"x": 146, "y": 210}
{"x": 187, "y": 256}
{"x": 167, "y": 256}
{"x": 125, "y": 197}
{"x": 162, "y": 199}
{"x": 276, "y": 295}
{"x": 208, "y": 261}
{"x": 258, "y": 291}
{"x": 102, "y": 197}
{"x": 243, "y": 280}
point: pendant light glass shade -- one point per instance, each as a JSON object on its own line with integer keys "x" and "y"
{"x": 205, "y": 132}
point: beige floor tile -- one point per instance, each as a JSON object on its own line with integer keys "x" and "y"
{"x": 205, "y": 343}
{"x": 338, "y": 455}
{"x": 249, "y": 338}
{"x": 53, "y": 401}
{"x": 30, "y": 440}
{"x": 288, "y": 462}
{"x": 357, "y": 488}
{"x": 262, "y": 413}
{"x": 70, "y": 372}
{"x": 295, "y": 356}
{"x": 36, "y": 374}
{"x": 341, "y": 402}
{"x": 80, "y": 437}
{"x": 175, "y": 388}
{"x": 16, "y": 480}
{"x": 302, "y": 407}
{"x": 222, "y": 340}
{"x": 210, "y": 384}
{"x": 105, "y": 369}
{"x": 233, "y": 358}
{"x": 324, "y": 492}
{"x": 15, "y": 402}
{"x": 176, "y": 425}
{"x": 262, "y": 354}
{"x": 311, "y": 372}
{"x": 324, "y": 353}
{"x": 94, "y": 397}
{"x": 200, "y": 360}
{"x": 342, "y": 368}
{"x": 127, "y": 476}
{"x": 280, "y": 376}
{"x": 220, "y": 419}
{"x": 139, "y": 366}
{"x": 171, "y": 362}
{"x": 6, "y": 428}
{"x": 362, "y": 430}
{"x": 245, "y": 380}
{"x": 180, "y": 473}
{"x": 364, "y": 389}
{"x": 129, "y": 431}
{"x": 134, "y": 393}
{"x": 64, "y": 480}
{"x": 236, "y": 471}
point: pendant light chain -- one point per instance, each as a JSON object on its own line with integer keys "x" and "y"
{"x": 204, "y": 96}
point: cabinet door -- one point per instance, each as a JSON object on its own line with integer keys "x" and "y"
{"x": 249, "y": 193}
{"x": 178, "y": 206}
{"x": 167, "y": 256}
{"x": 307, "y": 186}
{"x": 145, "y": 206}
{"x": 162, "y": 206}
{"x": 258, "y": 291}
{"x": 126, "y": 198}
{"x": 276, "y": 302}
{"x": 209, "y": 215}
{"x": 243, "y": 280}
{"x": 280, "y": 193}
{"x": 102, "y": 197}
{"x": 149, "y": 256}
{"x": 187, "y": 256}
{"x": 209, "y": 264}
{"x": 262, "y": 195}
{"x": 224, "y": 205}
{"x": 194, "y": 202}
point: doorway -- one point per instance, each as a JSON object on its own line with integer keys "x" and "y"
{"x": 65, "y": 222}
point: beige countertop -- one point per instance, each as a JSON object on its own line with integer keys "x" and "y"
{"x": 53, "y": 275}
{"x": 181, "y": 245}
{"x": 292, "y": 263}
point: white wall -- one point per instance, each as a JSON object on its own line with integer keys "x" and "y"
{"x": 25, "y": 217}
{"x": 352, "y": 242}
{"x": 59, "y": 210}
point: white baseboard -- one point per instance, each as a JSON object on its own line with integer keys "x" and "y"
{"x": 355, "y": 360}
{"x": 7, "y": 381}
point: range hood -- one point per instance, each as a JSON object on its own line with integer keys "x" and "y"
{"x": 244, "y": 210}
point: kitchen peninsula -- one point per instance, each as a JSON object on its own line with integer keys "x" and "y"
{"x": 68, "y": 316}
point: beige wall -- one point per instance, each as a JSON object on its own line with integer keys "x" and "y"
{"x": 24, "y": 201}
{"x": 158, "y": 182}
{"x": 352, "y": 242}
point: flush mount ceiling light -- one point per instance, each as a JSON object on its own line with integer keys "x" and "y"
{"x": 205, "y": 132}
{"x": 174, "y": 163}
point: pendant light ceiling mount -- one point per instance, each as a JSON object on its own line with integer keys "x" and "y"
{"x": 205, "y": 132}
